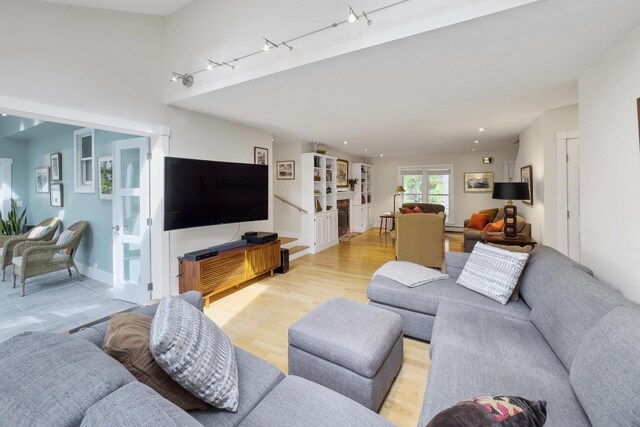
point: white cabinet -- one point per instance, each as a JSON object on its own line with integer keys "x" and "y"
{"x": 362, "y": 202}
{"x": 319, "y": 199}
{"x": 320, "y": 231}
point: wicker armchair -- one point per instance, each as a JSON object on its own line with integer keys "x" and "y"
{"x": 420, "y": 239}
{"x": 36, "y": 258}
{"x": 8, "y": 243}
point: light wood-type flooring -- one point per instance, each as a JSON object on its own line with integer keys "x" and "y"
{"x": 257, "y": 316}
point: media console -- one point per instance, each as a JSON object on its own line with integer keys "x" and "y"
{"x": 228, "y": 268}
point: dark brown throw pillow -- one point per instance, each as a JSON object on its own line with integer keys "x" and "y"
{"x": 493, "y": 411}
{"x": 127, "y": 341}
{"x": 515, "y": 296}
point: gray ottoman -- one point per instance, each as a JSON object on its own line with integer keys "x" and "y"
{"x": 352, "y": 348}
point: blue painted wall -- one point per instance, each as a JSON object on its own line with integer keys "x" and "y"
{"x": 96, "y": 247}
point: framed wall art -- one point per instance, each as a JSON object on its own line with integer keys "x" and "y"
{"x": 105, "y": 167}
{"x": 56, "y": 166}
{"x": 286, "y": 169}
{"x": 526, "y": 175}
{"x": 260, "y": 156}
{"x": 57, "y": 196}
{"x": 342, "y": 173}
{"x": 478, "y": 182}
{"x": 42, "y": 180}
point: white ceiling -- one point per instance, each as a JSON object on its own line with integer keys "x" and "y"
{"x": 431, "y": 92}
{"x": 149, "y": 7}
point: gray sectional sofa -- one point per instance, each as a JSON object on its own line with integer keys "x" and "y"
{"x": 35, "y": 385}
{"x": 570, "y": 340}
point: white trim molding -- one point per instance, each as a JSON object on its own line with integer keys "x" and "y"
{"x": 6, "y": 190}
{"x": 95, "y": 274}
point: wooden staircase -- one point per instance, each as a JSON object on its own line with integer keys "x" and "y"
{"x": 295, "y": 251}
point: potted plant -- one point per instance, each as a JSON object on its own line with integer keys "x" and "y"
{"x": 352, "y": 183}
{"x": 13, "y": 224}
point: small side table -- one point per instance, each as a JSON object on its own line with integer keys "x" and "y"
{"x": 499, "y": 239}
{"x": 384, "y": 218}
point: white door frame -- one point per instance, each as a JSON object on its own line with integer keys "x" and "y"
{"x": 6, "y": 190}
{"x": 159, "y": 141}
{"x": 562, "y": 238}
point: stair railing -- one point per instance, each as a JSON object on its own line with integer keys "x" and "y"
{"x": 285, "y": 201}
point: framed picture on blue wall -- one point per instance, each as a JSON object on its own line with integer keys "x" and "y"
{"x": 42, "y": 180}
{"x": 56, "y": 167}
{"x": 57, "y": 195}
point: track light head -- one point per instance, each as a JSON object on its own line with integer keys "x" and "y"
{"x": 266, "y": 47}
{"x": 210, "y": 66}
{"x": 268, "y": 44}
{"x": 174, "y": 77}
{"x": 187, "y": 80}
{"x": 353, "y": 17}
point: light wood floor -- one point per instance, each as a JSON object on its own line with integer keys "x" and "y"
{"x": 257, "y": 316}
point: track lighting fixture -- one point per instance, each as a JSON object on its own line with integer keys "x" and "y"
{"x": 289, "y": 46}
{"x": 353, "y": 17}
{"x": 268, "y": 44}
{"x": 187, "y": 79}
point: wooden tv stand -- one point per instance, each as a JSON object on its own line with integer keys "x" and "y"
{"x": 228, "y": 269}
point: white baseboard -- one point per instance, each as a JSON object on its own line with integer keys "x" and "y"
{"x": 95, "y": 274}
{"x": 457, "y": 228}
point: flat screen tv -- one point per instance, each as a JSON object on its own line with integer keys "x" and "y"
{"x": 202, "y": 192}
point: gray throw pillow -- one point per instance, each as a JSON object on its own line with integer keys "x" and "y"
{"x": 195, "y": 353}
{"x": 492, "y": 272}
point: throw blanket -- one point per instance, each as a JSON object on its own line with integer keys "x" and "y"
{"x": 409, "y": 274}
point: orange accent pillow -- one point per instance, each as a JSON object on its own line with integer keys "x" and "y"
{"x": 478, "y": 221}
{"x": 406, "y": 210}
{"x": 494, "y": 226}
{"x": 417, "y": 209}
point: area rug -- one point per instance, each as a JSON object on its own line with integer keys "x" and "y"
{"x": 348, "y": 236}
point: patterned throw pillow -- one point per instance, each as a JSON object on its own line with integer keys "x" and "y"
{"x": 63, "y": 238}
{"x": 515, "y": 296}
{"x": 195, "y": 353}
{"x": 493, "y": 411}
{"x": 38, "y": 232}
{"x": 492, "y": 272}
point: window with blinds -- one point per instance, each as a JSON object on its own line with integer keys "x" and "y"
{"x": 428, "y": 184}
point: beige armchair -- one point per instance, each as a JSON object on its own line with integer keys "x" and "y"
{"x": 420, "y": 239}
{"x": 8, "y": 243}
{"x": 36, "y": 258}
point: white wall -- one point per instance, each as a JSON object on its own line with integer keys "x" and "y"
{"x": 104, "y": 67}
{"x": 92, "y": 60}
{"x": 610, "y": 167}
{"x": 464, "y": 204}
{"x": 286, "y": 219}
{"x": 538, "y": 149}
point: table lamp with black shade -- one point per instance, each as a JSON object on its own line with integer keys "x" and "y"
{"x": 510, "y": 191}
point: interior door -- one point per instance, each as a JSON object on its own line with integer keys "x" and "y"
{"x": 131, "y": 230}
{"x": 573, "y": 198}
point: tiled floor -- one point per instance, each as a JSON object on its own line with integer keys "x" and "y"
{"x": 54, "y": 303}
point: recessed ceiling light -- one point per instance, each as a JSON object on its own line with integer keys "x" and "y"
{"x": 473, "y": 149}
{"x": 366, "y": 149}
{"x": 481, "y": 130}
{"x": 476, "y": 142}
{"x": 346, "y": 142}
{"x": 381, "y": 155}
{"x": 4, "y": 114}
